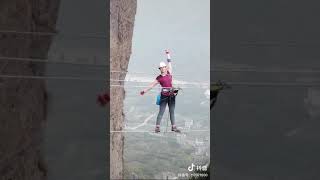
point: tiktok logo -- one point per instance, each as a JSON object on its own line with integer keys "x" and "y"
{"x": 197, "y": 167}
{"x": 190, "y": 168}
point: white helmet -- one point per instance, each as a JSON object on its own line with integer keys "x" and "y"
{"x": 162, "y": 64}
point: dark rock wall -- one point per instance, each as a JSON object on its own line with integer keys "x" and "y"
{"x": 23, "y": 101}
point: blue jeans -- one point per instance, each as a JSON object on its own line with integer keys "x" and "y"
{"x": 164, "y": 100}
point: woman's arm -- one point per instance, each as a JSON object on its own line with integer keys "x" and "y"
{"x": 169, "y": 62}
{"x": 169, "y": 67}
{"x": 154, "y": 83}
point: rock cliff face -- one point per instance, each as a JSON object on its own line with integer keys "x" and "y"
{"x": 122, "y": 14}
{"x": 23, "y": 101}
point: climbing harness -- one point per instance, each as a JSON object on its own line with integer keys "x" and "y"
{"x": 172, "y": 92}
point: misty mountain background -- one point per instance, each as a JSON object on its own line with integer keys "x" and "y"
{"x": 183, "y": 27}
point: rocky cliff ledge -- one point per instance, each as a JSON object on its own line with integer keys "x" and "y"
{"x": 122, "y": 14}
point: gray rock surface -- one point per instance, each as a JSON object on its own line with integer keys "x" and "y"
{"x": 122, "y": 14}
{"x": 23, "y": 101}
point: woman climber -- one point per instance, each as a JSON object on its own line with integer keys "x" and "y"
{"x": 168, "y": 94}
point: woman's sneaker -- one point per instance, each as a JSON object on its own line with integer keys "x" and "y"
{"x": 157, "y": 129}
{"x": 175, "y": 129}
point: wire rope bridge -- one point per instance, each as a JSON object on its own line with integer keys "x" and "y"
{"x": 103, "y": 99}
{"x": 215, "y": 88}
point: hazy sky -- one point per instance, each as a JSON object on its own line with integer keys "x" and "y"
{"x": 182, "y": 26}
